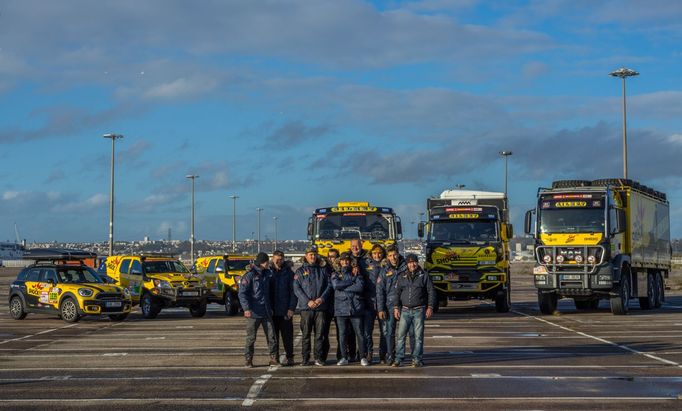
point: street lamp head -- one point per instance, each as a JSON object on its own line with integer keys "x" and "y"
{"x": 113, "y": 136}
{"x": 233, "y": 196}
{"x": 623, "y": 72}
{"x": 505, "y": 153}
{"x": 192, "y": 176}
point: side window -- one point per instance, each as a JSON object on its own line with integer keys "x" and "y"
{"x": 221, "y": 264}
{"x": 50, "y": 275}
{"x": 22, "y": 275}
{"x": 136, "y": 269}
{"x": 613, "y": 220}
{"x": 211, "y": 266}
{"x": 125, "y": 264}
{"x": 33, "y": 275}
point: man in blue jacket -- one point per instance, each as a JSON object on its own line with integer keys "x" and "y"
{"x": 254, "y": 296}
{"x": 413, "y": 300}
{"x": 394, "y": 267}
{"x": 284, "y": 303}
{"x": 313, "y": 288}
{"x": 348, "y": 285}
{"x": 373, "y": 268}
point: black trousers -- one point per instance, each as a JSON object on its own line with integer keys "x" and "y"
{"x": 350, "y": 343}
{"x": 284, "y": 328}
{"x": 252, "y": 325}
{"x": 314, "y": 321}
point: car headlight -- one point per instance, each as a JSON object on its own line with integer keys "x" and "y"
{"x": 85, "y": 292}
{"x": 437, "y": 277}
{"x": 126, "y": 292}
{"x": 162, "y": 284}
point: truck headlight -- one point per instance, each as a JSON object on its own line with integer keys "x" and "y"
{"x": 591, "y": 259}
{"x": 547, "y": 258}
{"x": 162, "y": 284}
{"x": 85, "y": 292}
{"x": 578, "y": 258}
{"x": 560, "y": 259}
{"x": 437, "y": 278}
{"x": 541, "y": 279}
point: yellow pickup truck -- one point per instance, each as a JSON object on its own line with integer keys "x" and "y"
{"x": 224, "y": 282}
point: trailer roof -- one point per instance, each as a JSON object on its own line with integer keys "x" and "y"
{"x": 456, "y": 194}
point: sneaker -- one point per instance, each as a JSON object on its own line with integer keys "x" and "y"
{"x": 395, "y": 364}
{"x": 306, "y": 363}
{"x": 273, "y": 361}
{"x": 248, "y": 363}
{"x": 417, "y": 364}
{"x": 342, "y": 361}
{"x": 319, "y": 363}
{"x": 282, "y": 359}
{"x": 289, "y": 362}
{"x": 364, "y": 362}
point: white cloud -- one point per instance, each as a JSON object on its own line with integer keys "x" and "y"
{"x": 181, "y": 88}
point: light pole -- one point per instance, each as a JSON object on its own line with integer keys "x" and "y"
{"x": 506, "y": 155}
{"x": 191, "y": 237}
{"x": 113, "y": 138}
{"x": 258, "y": 243}
{"x": 623, "y": 73}
{"x": 275, "y": 221}
{"x": 234, "y": 222}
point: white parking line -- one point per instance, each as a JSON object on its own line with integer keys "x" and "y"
{"x": 38, "y": 333}
{"x": 621, "y": 346}
{"x": 255, "y": 389}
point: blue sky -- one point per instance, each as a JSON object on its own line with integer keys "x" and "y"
{"x": 294, "y": 105}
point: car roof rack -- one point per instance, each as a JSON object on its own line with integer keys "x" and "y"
{"x": 156, "y": 255}
{"x": 57, "y": 254}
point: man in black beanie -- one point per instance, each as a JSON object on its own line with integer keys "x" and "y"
{"x": 254, "y": 296}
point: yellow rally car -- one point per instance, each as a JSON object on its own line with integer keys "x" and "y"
{"x": 223, "y": 282}
{"x": 60, "y": 283}
{"x": 157, "y": 281}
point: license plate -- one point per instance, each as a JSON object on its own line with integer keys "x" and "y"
{"x": 190, "y": 293}
{"x": 113, "y": 304}
{"x": 570, "y": 277}
{"x": 453, "y": 277}
{"x": 464, "y": 286}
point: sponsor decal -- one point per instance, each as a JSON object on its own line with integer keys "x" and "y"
{"x": 358, "y": 208}
{"x": 461, "y": 209}
{"x": 44, "y": 297}
{"x": 566, "y": 204}
{"x": 463, "y": 215}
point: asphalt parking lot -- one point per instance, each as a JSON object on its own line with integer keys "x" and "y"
{"x": 475, "y": 358}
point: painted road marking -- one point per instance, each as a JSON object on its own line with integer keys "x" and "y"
{"x": 373, "y": 400}
{"x": 255, "y": 389}
{"x": 38, "y": 333}
{"x": 621, "y": 346}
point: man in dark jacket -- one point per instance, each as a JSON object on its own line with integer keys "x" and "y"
{"x": 372, "y": 272}
{"x": 284, "y": 303}
{"x": 313, "y": 289}
{"x": 254, "y": 296}
{"x": 413, "y": 300}
{"x": 395, "y": 266}
{"x": 348, "y": 285}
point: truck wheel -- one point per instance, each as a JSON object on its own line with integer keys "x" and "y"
{"x": 547, "y": 302}
{"x": 231, "y": 303}
{"x": 659, "y": 287}
{"x": 149, "y": 306}
{"x": 503, "y": 300}
{"x": 198, "y": 310}
{"x": 68, "y": 309}
{"x": 648, "y": 302}
{"x": 619, "y": 302}
{"x": 16, "y": 308}
{"x": 118, "y": 317}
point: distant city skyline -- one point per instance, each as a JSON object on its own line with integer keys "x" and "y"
{"x": 294, "y": 105}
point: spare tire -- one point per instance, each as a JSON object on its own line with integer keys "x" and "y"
{"x": 613, "y": 182}
{"x": 570, "y": 183}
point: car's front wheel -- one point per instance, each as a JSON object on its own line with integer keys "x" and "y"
{"x": 16, "y": 308}
{"x": 69, "y": 310}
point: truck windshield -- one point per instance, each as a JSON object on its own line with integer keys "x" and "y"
{"x": 352, "y": 225}
{"x": 78, "y": 275}
{"x": 168, "y": 266}
{"x": 463, "y": 230}
{"x": 572, "y": 220}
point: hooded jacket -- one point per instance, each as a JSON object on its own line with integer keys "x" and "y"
{"x": 282, "y": 289}
{"x": 311, "y": 282}
{"x": 387, "y": 281}
{"x": 348, "y": 289}
{"x": 254, "y": 292}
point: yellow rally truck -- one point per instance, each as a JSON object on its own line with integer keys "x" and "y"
{"x": 467, "y": 246}
{"x": 335, "y": 227}
{"x": 602, "y": 239}
{"x": 157, "y": 281}
{"x": 223, "y": 281}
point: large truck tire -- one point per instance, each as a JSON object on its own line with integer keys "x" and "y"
{"x": 659, "y": 286}
{"x": 231, "y": 303}
{"x": 570, "y": 183}
{"x": 649, "y": 301}
{"x": 547, "y": 302}
{"x": 503, "y": 300}
{"x": 619, "y": 302}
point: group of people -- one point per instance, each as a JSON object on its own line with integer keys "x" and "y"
{"x": 353, "y": 289}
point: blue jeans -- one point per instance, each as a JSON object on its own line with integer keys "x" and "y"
{"x": 344, "y": 323}
{"x": 387, "y": 342}
{"x": 411, "y": 319}
{"x": 370, "y": 318}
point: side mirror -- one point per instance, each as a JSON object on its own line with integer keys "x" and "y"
{"x": 420, "y": 229}
{"x": 528, "y": 223}
{"x": 399, "y": 227}
{"x": 310, "y": 229}
{"x": 622, "y": 223}
{"x": 52, "y": 281}
{"x": 510, "y": 231}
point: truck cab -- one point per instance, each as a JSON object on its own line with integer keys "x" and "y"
{"x": 466, "y": 241}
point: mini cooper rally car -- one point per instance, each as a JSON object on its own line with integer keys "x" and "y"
{"x": 157, "y": 281}
{"x": 59, "y": 282}
{"x": 224, "y": 283}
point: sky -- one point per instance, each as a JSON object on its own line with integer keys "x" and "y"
{"x": 294, "y": 105}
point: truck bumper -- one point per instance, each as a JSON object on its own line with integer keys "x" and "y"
{"x": 182, "y": 297}
{"x": 580, "y": 284}
{"x": 486, "y": 287}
